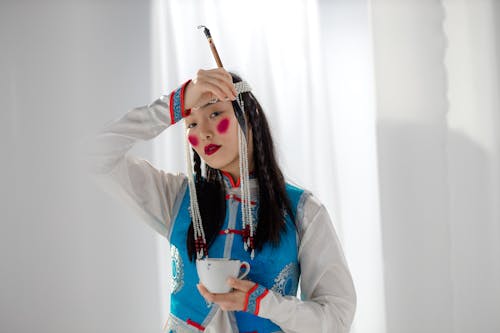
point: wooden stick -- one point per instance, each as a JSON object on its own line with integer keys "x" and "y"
{"x": 215, "y": 53}
{"x": 212, "y": 45}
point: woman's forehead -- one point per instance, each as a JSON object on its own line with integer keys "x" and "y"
{"x": 219, "y": 105}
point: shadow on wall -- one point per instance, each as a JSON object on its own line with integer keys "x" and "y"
{"x": 475, "y": 235}
{"x": 440, "y": 239}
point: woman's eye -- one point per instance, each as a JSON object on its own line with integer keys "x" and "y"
{"x": 214, "y": 114}
{"x": 191, "y": 125}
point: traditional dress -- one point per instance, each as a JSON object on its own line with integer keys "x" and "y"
{"x": 311, "y": 253}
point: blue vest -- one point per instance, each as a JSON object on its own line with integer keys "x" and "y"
{"x": 277, "y": 269}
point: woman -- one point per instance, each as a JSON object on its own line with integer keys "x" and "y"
{"x": 286, "y": 232}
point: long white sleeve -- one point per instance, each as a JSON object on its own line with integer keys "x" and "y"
{"x": 150, "y": 192}
{"x": 328, "y": 297}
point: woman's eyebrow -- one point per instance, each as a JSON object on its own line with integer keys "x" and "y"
{"x": 215, "y": 104}
{"x": 189, "y": 118}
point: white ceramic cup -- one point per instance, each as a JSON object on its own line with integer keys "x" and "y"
{"x": 214, "y": 272}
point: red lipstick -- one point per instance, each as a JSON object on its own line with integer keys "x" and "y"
{"x": 211, "y": 148}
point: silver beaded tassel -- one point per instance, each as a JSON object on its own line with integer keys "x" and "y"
{"x": 199, "y": 233}
{"x": 246, "y": 204}
{"x": 246, "y": 207}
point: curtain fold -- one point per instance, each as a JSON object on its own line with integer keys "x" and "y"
{"x": 473, "y": 64}
{"x": 411, "y": 108}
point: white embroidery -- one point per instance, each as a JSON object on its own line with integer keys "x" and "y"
{"x": 177, "y": 281}
{"x": 287, "y": 280}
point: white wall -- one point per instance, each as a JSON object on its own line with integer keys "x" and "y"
{"x": 67, "y": 249}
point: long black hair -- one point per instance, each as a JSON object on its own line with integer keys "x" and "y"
{"x": 273, "y": 201}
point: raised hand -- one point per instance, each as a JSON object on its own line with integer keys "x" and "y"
{"x": 208, "y": 85}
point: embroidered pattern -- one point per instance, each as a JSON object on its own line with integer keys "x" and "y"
{"x": 177, "y": 281}
{"x": 254, "y": 296}
{"x": 177, "y": 104}
{"x": 300, "y": 214}
{"x": 286, "y": 283}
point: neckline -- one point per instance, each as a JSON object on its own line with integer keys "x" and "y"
{"x": 228, "y": 179}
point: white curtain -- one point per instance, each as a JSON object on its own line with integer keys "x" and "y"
{"x": 438, "y": 149}
{"x": 388, "y": 112}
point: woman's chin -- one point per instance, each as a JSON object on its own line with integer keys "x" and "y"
{"x": 213, "y": 164}
{"x": 222, "y": 164}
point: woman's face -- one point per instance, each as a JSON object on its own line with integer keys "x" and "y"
{"x": 212, "y": 131}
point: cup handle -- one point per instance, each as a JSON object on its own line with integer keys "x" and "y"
{"x": 247, "y": 269}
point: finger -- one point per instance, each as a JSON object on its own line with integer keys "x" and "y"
{"x": 224, "y": 86}
{"x": 207, "y": 97}
{"x": 227, "y": 79}
{"x": 205, "y": 293}
{"x": 224, "y": 77}
{"x": 222, "y": 71}
{"x": 215, "y": 298}
{"x": 215, "y": 90}
{"x": 227, "y": 301}
{"x": 232, "y": 301}
{"x": 243, "y": 285}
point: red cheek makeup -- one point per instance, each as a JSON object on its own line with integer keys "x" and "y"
{"x": 193, "y": 140}
{"x": 223, "y": 126}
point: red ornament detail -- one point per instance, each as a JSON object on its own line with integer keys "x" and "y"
{"x": 195, "y": 324}
{"x": 252, "y": 243}
{"x": 247, "y": 238}
{"x": 201, "y": 245}
{"x": 235, "y": 197}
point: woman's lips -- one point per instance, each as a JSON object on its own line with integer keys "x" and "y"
{"x": 210, "y": 149}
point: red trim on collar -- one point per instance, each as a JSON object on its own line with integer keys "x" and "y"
{"x": 231, "y": 180}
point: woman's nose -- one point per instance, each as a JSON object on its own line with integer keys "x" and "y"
{"x": 206, "y": 132}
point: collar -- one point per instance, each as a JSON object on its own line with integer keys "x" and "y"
{"x": 231, "y": 184}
